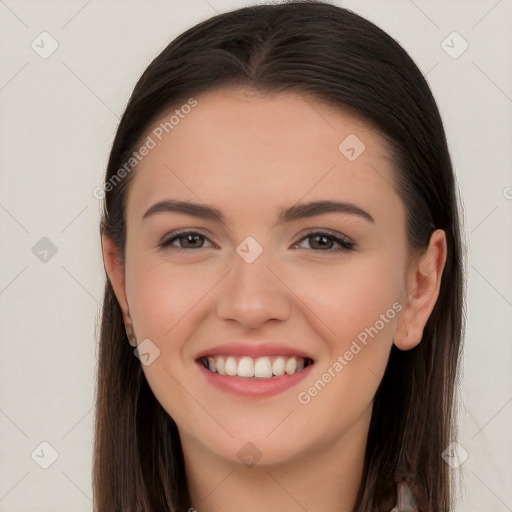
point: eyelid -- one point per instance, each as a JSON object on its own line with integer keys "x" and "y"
{"x": 170, "y": 237}
{"x": 326, "y": 231}
{"x": 344, "y": 242}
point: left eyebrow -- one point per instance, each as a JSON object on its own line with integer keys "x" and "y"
{"x": 295, "y": 212}
{"x": 304, "y": 210}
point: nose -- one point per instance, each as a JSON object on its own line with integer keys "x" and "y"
{"x": 253, "y": 293}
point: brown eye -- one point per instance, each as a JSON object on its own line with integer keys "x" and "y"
{"x": 322, "y": 241}
{"x": 187, "y": 240}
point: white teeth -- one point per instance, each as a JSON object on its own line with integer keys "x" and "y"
{"x": 278, "y": 366}
{"x": 261, "y": 367}
{"x": 219, "y": 363}
{"x": 246, "y": 367}
{"x": 291, "y": 366}
{"x": 231, "y": 368}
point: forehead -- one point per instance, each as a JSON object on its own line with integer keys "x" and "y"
{"x": 272, "y": 149}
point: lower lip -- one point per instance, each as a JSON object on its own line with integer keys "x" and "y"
{"x": 254, "y": 387}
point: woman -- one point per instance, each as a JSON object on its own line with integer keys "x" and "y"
{"x": 283, "y": 308}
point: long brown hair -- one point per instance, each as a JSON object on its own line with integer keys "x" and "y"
{"x": 335, "y": 56}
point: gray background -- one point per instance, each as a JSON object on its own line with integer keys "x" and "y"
{"x": 58, "y": 118}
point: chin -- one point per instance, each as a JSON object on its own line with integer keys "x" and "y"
{"x": 257, "y": 449}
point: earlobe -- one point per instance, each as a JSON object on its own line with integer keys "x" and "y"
{"x": 423, "y": 290}
{"x": 130, "y": 334}
{"x": 116, "y": 275}
{"x": 409, "y": 331}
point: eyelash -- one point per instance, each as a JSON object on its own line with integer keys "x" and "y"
{"x": 345, "y": 244}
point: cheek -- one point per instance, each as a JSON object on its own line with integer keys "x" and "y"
{"x": 165, "y": 301}
{"x": 363, "y": 317}
{"x": 162, "y": 296}
{"x": 353, "y": 301}
{"x": 359, "y": 312}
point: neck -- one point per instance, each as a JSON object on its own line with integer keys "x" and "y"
{"x": 326, "y": 478}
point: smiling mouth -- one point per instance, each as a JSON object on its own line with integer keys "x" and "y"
{"x": 264, "y": 367}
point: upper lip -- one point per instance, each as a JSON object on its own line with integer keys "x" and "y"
{"x": 254, "y": 349}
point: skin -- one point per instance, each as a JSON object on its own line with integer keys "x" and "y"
{"x": 252, "y": 156}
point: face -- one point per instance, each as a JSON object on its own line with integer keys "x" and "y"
{"x": 273, "y": 285}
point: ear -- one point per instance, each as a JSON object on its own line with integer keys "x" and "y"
{"x": 424, "y": 282}
{"x": 114, "y": 268}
